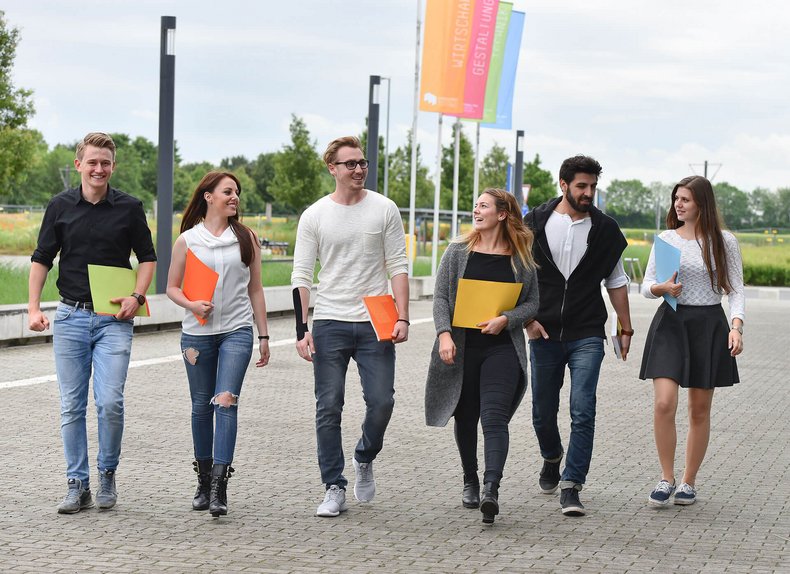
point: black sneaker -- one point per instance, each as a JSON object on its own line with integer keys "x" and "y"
{"x": 569, "y": 500}
{"x": 549, "y": 477}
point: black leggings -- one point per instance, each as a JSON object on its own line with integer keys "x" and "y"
{"x": 491, "y": 380}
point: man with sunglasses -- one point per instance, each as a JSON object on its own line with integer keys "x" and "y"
{"x": 357, "y": 236}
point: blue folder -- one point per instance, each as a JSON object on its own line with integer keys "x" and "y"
{"x": 667, "y": 259}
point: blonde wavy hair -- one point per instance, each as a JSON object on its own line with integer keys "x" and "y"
{"x": 518, "y": 236}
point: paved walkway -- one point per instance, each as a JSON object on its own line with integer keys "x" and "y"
{"x": 416, "y": 524}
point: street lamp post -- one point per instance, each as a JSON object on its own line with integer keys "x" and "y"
{"x": 164, "y": 179}
{"x": 518, "y": 171}
{"x": 387, "y": 142}
{"x": 372, "y": 180}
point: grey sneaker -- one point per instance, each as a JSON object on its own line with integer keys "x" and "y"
{"x": 76, "y": 499}
{"x": 365, "y": 485}
{"x": 334, "y": 502}
{"x": 107, "y": 495}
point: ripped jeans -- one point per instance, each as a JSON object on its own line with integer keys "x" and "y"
{"x": 215, "y": 364}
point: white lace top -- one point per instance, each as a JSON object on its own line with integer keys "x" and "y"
{"x": 694, "y": 275}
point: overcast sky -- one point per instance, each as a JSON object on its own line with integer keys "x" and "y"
{"x": 645, "y": 87}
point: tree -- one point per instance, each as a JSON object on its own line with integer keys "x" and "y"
{"x": 466, "y": 167}
{"x": 400, "y": 177}
{"x": 297, "y": 170}
{"x": 262, "y": 173}
{"x": 493, "y": 168}
{"x": 733, "y": 205}
{"x": 18, "y": 144}
{"x": 783, "y": 204}
{"x": 51, "y": 172}
{"x": 630, "y": 203}
{"x": 185, "y": 181}
{"x": 543, "y": 187}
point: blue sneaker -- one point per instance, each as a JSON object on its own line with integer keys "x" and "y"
{"x": 661, "y": 493}
{"x": 685, "y": 495}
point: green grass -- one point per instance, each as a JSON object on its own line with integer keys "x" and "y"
{"x": 13, "y": 285}
{"x": 766, "y": 256}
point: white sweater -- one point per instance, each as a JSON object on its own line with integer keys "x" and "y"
{"x": 694, "y": 275}
{"x": 358, "y": 246}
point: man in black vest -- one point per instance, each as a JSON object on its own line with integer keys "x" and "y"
{"x": 576, "y": 247}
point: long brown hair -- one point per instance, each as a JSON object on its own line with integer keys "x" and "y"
{"x": 518, "y": 236}
{"x": 195, "y": 212}
{"x": 709, "y": 226}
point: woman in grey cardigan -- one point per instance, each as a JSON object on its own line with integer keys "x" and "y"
{"x": 481, "y": 374}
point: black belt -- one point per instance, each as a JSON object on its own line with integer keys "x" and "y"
{"x": 78, "y": 304}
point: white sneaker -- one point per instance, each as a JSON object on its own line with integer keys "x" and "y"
{"x": 334, "y": 502}
{"x": 365, "y": 485}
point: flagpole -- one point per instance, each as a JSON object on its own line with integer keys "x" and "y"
{"x": 456, "y": 169}
{"x": 476, "y": 186}
{"x": 436, "y": 192}
{"x": 411, "y": 243}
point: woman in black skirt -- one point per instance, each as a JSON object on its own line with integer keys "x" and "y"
{"x": 695, "y": 346}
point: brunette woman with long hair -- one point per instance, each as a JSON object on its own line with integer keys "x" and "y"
{"x": 694, "y": 347}
{"x": 217, "y": 335}
{"x": 481, "y": 374}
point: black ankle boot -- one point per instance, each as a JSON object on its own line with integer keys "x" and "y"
{"x": 203, "y": 492}
{"x": 489, "y": 504}
{"x": 471, "y": 495}
{"x": 220, "y": 473}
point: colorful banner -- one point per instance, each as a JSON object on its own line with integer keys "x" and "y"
{"x": 448, "y": 28}
{"x": 497, "y": 59}
{"x": 507, "y": 83}
{"x": 478, "y": 63}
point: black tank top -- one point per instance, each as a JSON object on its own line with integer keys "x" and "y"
{"x": 488, "y": 267}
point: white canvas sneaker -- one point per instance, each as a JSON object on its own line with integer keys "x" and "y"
{"x": 334, "y": 502}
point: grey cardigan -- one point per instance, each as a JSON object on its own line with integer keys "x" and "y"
{"x": 443, "y": 387}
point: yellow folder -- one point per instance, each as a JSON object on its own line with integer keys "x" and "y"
{"x": 478, "y": 301}
{"x": 110, "y": 283}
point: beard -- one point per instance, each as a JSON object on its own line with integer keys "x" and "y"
{"x": 581, "y": 207}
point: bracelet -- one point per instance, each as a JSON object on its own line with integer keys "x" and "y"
{"x": 263, "y": 337}
{"x": 628, "y": 332}
{"x": 404, "y": 321}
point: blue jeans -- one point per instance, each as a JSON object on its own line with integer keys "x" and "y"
{"x": 548, "y": 360}
{"x": 83, "y": 342}
{"x": 219, "y": 367}
{"x": 336, "y": 342}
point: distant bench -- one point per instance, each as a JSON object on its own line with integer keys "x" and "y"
{"x": 276, "y": 247}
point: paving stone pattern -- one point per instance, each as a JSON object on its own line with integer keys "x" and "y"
{"x": 416, "y": 523}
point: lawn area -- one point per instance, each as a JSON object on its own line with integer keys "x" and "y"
{"x": 766, "y": 256}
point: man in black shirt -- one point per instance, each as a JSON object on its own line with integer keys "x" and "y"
{"x": 91, "y": 224}
{"x": 577, "y": 247}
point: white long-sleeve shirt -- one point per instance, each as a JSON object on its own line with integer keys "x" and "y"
{"x": 694, "y": 275}
{"x": 359, "y": 248}
{"x": 568, "y": 243}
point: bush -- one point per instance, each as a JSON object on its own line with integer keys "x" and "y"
{"x": 766, "y": 274}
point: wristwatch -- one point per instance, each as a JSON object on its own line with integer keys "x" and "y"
{"x": 140, "y": 298}
{"x": 739, "y": 329}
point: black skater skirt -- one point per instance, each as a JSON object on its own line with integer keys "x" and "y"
{"x": 690, "y": 346}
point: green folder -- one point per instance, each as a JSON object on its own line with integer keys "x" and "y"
{"x": 110, "y": 283}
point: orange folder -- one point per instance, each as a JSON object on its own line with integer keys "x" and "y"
{"x": 383, "y": 315}
{"x": 200, "y": 280}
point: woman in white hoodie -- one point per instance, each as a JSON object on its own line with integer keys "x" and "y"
{"x": 217, "y": 336}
